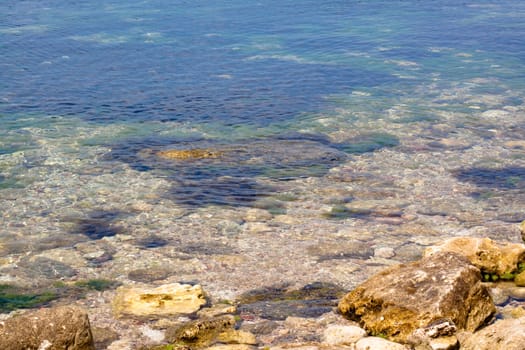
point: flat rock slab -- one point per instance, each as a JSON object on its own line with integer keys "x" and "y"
{"x": 399, "y": 300}
{"x": 168, "y": 299}
{"x": 59, "y": 328}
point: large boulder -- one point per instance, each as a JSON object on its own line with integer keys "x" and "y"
{"x": 489, "y": 256}
{"x": 403, "y": 298}
{"x": 58, "y": 328}
{"x": 168, "y": 299}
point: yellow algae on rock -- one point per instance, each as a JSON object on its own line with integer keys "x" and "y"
{"x": 196, "y": 153}
{"x": 487, "y": 255}
{"x": 168, "y": 299}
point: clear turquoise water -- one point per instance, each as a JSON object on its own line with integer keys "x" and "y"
{"x": 257, "y": 79}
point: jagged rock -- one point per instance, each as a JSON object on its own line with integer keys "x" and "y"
{"x": 342, "y": 335}
{"x": 200, "y": 333}
{"x": 376, "y": 343}
{"x": 403, "y": 298}
{"x": 522, "y": 230}
{"x": 484, "y": 253}
{"x": 168, "y": 299}
{"x": 58, "y": 328}
{"x": 439, "y": 335}
{"x": 207, "y": 332}
{"x": 508, "y": 334}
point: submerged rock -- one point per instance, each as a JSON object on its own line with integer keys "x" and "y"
{"x": 196, "y": 153}
{"x": 489, "y": 256}
{"x": 169, "y": 299}
{"x": 399, "y": 300}
{"x": 65, "y": 327}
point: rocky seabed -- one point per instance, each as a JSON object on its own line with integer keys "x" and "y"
{"x": 465, "y": 293}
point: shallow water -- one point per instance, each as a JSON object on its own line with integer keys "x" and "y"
{"x": 350, "y": 135}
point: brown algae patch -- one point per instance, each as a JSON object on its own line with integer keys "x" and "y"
{"x": 196, "y": 153}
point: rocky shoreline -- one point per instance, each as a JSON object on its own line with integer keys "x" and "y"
{"x": 466, "y": 293}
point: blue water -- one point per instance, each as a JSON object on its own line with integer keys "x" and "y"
{"x": 237, "y": 62}
{"x": 229, "y": 72}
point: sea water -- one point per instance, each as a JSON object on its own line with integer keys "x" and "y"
{"x": 381, "y": 125}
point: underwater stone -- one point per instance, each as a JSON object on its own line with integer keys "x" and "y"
{"x": 42, "y": 267}
{"x": 168, "y": 299}
{"x": 403, "y": 298}
{"x": 196, "y": 153}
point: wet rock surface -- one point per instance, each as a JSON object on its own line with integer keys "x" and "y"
{"x": 58, "y": 328}
{"x": 403, "y": 298}
{"x": 440, "y": 301}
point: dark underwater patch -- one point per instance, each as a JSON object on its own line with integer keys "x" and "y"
{"x": 233, "y": 176}
{"x": 152, "y": 241}
{"x": 369, "y": 142}
{"x": 508, "y": 178}
{"x": 279, "y": 302}
{"x": 98, "y": 224}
